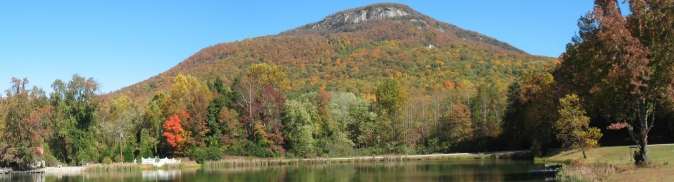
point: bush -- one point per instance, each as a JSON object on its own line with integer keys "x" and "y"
{"x": 103, "y": 155}
{"x": 254, "y": 149}
{"x": 339, "y": 149}
{"x": 198, "y": 154}
{"x": 236, "y": 149}
{"x": 106, "y": 160}
{"x": 201, "y": 155}
{"x": 128, "y": 154}
{"x": 213, "y": 153}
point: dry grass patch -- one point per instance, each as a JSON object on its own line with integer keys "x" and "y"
{"x": 654, "y": 172}
{"x": 586, "y": 172}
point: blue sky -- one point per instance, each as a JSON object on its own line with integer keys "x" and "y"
{"x": 120, "y": 43}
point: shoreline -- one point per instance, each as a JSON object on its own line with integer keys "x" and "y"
{"x": 478, "y": 155}
{"x": 62, "y": 170}
{"x": 237, "y": 161}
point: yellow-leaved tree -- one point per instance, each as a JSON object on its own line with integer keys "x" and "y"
{"x": 573, "y": 126}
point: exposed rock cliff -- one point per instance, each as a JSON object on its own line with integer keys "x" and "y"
{"x": 362, "y": 15}
{"x": 392, "y": 17}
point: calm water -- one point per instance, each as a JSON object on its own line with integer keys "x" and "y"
{"x": 451, "y": 170}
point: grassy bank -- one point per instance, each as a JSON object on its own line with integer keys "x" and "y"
{"x": 613, "y": 164}
{"x": 129, "y": 167}
{"x": 236, "y": 162}
{"x": 233, "y": 162}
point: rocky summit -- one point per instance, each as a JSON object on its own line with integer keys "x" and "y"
{"x": 362, "y": 15}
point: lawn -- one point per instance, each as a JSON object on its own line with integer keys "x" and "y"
{"x": 660, "y": 156}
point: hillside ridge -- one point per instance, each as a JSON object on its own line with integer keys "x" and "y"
{"x": 355, "y": 19}
{"x": 352, "y": 49}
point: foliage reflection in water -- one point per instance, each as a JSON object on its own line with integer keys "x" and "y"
{"x": 445, "y": 170}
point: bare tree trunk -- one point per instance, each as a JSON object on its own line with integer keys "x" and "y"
{"x": 582, "y": 148}
{"x": 643, "y": 151}
{"x": 640, "y": 137}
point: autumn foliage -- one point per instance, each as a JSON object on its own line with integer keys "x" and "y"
{"x": 353, "y": 57}
{"x": 405, "y": 85}
{"x": 173, "y": 130}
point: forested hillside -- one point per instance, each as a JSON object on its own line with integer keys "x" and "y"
{"x": 378, "y": 79}
{"x": 352, "y": 57}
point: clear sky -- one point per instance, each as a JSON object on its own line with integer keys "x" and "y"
{"x": 120, "y": 43}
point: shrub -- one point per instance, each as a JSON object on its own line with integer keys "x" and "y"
{"x": 106, "y": 160}
{"x": 236, "y": 149}
{"x": 201, "y": 155}
{"x": 213, "y": 153}
{"x": 103, "y": 155}
{"x": 128, "y": 154}
{"x": 254, "y": 149}
{"x": 198, "y": 154}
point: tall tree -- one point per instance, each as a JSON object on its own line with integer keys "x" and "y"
{"x": 74, "y": 115}
{"x": 173, "y": 130}
{"x": 326, "y": 123}
{"x": 153, "y": 120}
{"x": 531, "y": 112}
{"x": 27, "y": 114}
{"x": 624, "y": 65}
{"x": 147, "y": 143}
{"x": 457, "y": 125}
{"x": 390, "y": 99}
{"x": 122, "y": 118}
{"x": 352, "y": 117}
{"x": 189, "y": 95}
{"x": 260, "y": 101}
{"x": 299, "y": 128}
{"x": 222, "y": 102}
{"x": 486, "y": 111}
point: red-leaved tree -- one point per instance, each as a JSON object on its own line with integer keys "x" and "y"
{"x": 173, "y": 130}
{"x": 623, "y": 65}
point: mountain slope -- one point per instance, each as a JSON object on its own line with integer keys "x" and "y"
{"x": 352, "y": 50}
{"x": 350, "y": 21}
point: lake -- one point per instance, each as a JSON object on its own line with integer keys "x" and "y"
{"x": 440, "y": 170}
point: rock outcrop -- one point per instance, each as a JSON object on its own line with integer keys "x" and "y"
{"x": 361, "y": 15}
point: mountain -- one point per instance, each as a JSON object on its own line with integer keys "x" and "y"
{"x": 353, "y": 50}
{"x": 350, "y": 21}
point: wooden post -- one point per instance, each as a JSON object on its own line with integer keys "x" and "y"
{"x": 121, "y": 157}
{"x": 631, "y": 155}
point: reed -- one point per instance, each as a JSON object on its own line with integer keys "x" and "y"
{"x": 236, "y": 162}
{"x": 115, "y": 167}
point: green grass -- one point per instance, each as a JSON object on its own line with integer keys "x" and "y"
{"x": 616, "y": 160}
{"x": 615, "y": 155}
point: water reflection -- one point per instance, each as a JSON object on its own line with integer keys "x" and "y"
{"x": 446, "y": 170}
{"x": 23, "y": 177}
{"x": 460, "y": 170}
{"x": 162, "y": 175}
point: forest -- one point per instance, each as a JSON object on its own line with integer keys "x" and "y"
{"x": 254, "y": 116}
{"x": 381, "y": 87}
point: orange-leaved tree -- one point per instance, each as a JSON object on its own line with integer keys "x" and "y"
{"x": 173, "y": 130}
